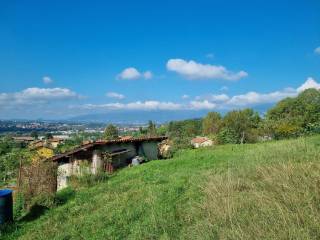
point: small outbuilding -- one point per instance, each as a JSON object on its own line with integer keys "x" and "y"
{"x": 201, "y": 142}
{"x": 98, "y": 156}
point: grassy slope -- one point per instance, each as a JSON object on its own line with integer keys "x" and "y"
{"x": 228, "y": 192}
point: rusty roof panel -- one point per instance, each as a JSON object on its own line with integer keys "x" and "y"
{"x": 87, "y": 146}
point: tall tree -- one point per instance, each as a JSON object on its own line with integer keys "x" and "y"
{"x": 211, "y": 124}
{"x": 242, "y": 125}
{"x": 295, "y": 116}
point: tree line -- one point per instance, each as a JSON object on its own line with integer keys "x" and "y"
{"x": 291, "y": 117}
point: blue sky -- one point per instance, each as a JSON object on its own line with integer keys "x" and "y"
{"x": 65, "y": 58}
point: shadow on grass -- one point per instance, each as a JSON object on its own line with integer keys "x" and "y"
{"x": 65, "y": 195}
{"x": 10, "y": 229}
{"x": 37, "y": 210}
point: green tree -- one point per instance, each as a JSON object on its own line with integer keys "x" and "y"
{"x": 162, "y": 130}
{"x": 211, "y": 124}
{"x": 243, "y": 124}
{"x": 295, "y": 116}
{"x": 111, "y": 132}
{"x": 9, "y": 163}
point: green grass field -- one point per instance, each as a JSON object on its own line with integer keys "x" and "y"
{"x": 259, "y": 191}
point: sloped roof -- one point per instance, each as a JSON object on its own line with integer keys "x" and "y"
{"x": 200, "y": 140}
{"x": 90, "y": 145}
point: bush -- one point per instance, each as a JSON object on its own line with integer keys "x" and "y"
{"x": 226, "y": 136}
{"x": 180, "y": 143}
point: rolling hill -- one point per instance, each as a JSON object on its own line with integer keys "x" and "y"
{"x": 254, "y": 191}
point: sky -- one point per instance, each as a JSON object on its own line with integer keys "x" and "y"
{"x": 60, "y": 59}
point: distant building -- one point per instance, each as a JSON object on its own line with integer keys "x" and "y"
{"x": 41, "y": 150}
{"x": 201, "y": 142}
{"x": 54, "y": 142}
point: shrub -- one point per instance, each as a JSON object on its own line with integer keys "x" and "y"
{"x": 227, "y": 135}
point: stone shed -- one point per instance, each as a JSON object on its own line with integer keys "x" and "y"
{"x": 98, "y": 156}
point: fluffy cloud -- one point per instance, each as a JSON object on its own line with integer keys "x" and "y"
{"x": 139, "y": 105}
{"x": 317, "y": 50}
{"x": 47, "y": 80}
{"x": 132, "y": 73}
{"x": 115, "y": 95}
{"x": 152, "y": 105}
{"x": 37, "y": 95}
{"x": 310, "y": 83}
{"x": 254, "y": 98}
{"x": 209, "y": 101}
{"x": 202, "y": 105}
{"x": 214, "y": 97}
{"x": 193, "y": 70}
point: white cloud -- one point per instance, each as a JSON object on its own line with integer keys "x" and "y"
{"x": 185, "y": 96}
{"x": 47, "y": 80}
{"x": 193, "y": 70}
{"x": 138, "y": 105}
{"x": 202, "y": 105}
{"x": 152, "y": 105}
{"x": 317, "y": 50}
{"x": 115, "y": 95}
{"x": 129, "y": 73}
{"x": 254, "y": 98}
{"x": 208, "y": 102}
{"x": 214, "y": 97}
{"x": 310, "y": 83}
{"x": 37, "y": 95}
{"x": 132, "y": 73}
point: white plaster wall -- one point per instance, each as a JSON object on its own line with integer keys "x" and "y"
{"x": 64, "y": 171}
{"x": 97, "y": 162}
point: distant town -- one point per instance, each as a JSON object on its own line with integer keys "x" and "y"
{"x": 26, "y": 127}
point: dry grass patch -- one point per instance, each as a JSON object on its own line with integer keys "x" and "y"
{"x": 275, "y": 202}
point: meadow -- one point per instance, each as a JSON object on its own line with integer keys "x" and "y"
{"x": 265, "y": 190}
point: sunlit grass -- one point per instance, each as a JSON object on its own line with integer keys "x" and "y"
{"x": 268, "y": 190}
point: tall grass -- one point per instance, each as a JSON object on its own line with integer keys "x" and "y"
{"x": 275, "y": 202}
